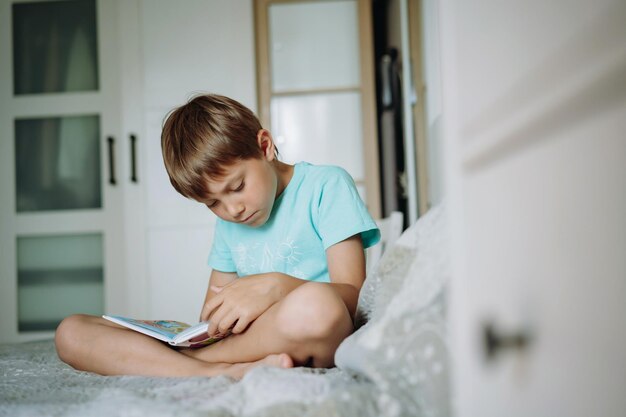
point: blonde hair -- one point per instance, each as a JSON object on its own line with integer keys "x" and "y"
{"x": 204, "y": 136}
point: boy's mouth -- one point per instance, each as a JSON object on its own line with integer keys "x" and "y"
{"x": 247, "y": 219}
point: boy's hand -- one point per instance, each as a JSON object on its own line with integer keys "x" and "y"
{"x": 239, "y": 303}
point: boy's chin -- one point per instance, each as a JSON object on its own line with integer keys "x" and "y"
{"x": 261, "y": 219}
{"x": 257, "y": 223}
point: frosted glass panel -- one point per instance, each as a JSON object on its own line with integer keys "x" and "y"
{"x": 314, "y": 45}
{"x": 321, "y": 129}
{"x": 55, "y": 47}
{"x": 58, "y": 276}
{"x": 57, "y": 163}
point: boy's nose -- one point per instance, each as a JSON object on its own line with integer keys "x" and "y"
{"x": 235, "y": 210}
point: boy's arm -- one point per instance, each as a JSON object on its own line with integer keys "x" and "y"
{"x": 244, "y": 300}
{"x": 346, "y": 267}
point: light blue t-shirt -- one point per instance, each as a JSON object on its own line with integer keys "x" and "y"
{"x": 319, "y": 207}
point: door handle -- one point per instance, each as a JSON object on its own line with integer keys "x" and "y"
{"x": 495, "y": 342}
{"x": 133, "y": 158}
{"x": 111, "y": 142}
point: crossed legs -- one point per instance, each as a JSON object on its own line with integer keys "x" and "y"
{"x": 305, "y": 328}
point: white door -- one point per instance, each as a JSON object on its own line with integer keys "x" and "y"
{"x": 60, "y": 179}
{"x": 535, "y": 115}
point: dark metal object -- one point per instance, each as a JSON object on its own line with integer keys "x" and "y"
{"x": 495, "y": 342}
{"x": 133, "y": 158}
{"x": 112, "y": 180}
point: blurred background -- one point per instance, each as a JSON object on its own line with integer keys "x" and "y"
{"x": 90, "y": 222}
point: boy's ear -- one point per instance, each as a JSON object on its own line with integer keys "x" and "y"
{"x": 266, "y": 143}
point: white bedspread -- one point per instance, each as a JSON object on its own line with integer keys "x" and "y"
{"x": 394, "y": 365}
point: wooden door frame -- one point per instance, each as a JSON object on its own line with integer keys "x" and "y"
{"x": 419, "y": 108}
{"x": 367, "y": 89}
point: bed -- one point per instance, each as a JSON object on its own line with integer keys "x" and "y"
{"x": 395, "y": 364}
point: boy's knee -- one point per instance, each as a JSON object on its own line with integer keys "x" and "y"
{"x": 315, "y": 311}
{"x": 66, "y": 335}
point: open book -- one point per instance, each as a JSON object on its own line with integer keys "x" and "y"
{"x": 173, "y": 332}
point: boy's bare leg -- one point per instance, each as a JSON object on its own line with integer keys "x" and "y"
{"x": 308, "y": 325}
{"x": 97, "y": 345}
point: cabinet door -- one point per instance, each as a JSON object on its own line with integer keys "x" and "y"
{"x": 535, "y": 112}
{"x": 60, "y": 205}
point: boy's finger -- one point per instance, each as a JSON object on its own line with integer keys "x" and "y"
{"x": 240, "y": 326}
{"x": 209, "y": 307}
{"x": 214, "y": 323}
{"x": 227, "y": 322}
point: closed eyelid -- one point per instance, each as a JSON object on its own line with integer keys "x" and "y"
{"x": 240, "y": 186}
{"x": 232, "y": 190}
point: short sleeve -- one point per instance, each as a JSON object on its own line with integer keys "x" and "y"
{"x": 342, "y": 213}
{"x": 220, "y": 257}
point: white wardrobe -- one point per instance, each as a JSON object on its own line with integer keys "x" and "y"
{"x": 89, "y": 222}
{"x": 534, "y": 108}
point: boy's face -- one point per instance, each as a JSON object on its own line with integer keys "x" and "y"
{"x": 246, "y": 193}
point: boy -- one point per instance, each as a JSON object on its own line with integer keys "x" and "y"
{"x": 296, "y": 233}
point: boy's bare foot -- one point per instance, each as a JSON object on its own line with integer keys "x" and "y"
{"x": 238, "y": 370}
{"x": 281, "y": 360}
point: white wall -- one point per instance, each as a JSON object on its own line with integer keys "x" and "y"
{"x": 198, "y": 45}
{"x": 188, "y": 47}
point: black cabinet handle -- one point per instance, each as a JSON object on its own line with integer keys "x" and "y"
{"x": 495, "y": 342}
{"x": 133, "y": 158}
{"x": 111, "y": 160}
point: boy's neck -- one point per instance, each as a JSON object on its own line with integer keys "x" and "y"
{"x": 284, "y": 173}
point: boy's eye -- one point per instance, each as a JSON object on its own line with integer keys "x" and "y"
{"x": 212, "y": 205}
{"x": 240, "y": 187}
